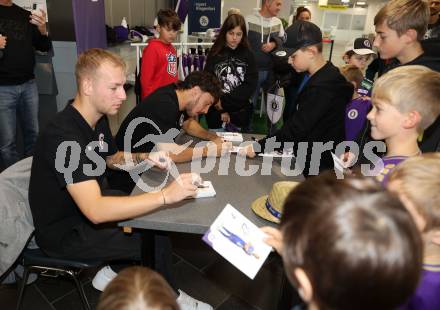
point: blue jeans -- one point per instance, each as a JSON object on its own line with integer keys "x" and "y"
{"x": 23, "y": 99}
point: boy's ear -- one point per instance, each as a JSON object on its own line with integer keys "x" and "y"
{"x": 305, "y": 289}
{"x": 410, "y": 35}
{"x": 345, "y": 58}
{"x": 412, "y": 120}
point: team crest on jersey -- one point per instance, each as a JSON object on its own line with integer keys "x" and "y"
{"x": 353, "y": 114}
{"x": 172, "y": 64}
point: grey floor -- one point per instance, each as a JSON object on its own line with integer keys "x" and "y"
{"x": 198, "y": 270}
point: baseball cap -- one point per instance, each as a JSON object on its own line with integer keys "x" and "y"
{"x": 300, "y": 34}
{"x": 360, "y": 46}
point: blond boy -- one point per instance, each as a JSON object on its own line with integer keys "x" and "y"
{"x": 417, "y": 182}
{"x": 406, "y": 101}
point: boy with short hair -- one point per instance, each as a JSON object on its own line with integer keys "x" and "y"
{"x": 321, "y": 100}
{"x": 159, "y": 58}
{"x": 400, "y": 26}
{"x": 347, "y": 244}
{"x": 358, "y": 52}
{"x": 417, "y": 181}
{"x": 406, "y": 101}
{"x": 358, "y": 108}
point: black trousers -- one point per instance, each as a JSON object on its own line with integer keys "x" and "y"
{"x": 109, "y": 243}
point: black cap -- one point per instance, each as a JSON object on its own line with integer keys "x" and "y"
{"x": 300, "y": 34}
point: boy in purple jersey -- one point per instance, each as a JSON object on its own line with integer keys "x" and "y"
{"x": 358, "y": 108}
{"x": 417, "y": 181}
{"x": 406, "y": 101}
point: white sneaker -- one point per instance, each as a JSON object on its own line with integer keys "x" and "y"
{"x": 103, "y": 278}
{"x": 186, "y": 302}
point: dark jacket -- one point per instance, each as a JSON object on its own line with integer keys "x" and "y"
{"x": 320, "y": 115}
{"x": 237, "y": 73}
{"x": 18, "y": 61}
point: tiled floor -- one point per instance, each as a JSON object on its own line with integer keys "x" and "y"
{"x": 198, "y": 270}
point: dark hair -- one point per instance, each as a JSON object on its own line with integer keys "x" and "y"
{"x": 301, "y": 9}
{"x": 356, "y": 242}
{"x": 232, "y": 21}
{"x": 169, "y": 18}
{"x": 205, "y": 80}
{"x": 138, "y": 288}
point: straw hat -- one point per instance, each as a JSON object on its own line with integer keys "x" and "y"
{"x": 270, "y": 207}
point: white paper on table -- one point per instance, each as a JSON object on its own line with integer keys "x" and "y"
{"x": 277, "y": 154}
{"x": 206, "y": 191}
{"x": 231, "y": 136}
{"x": 249, "y": 252}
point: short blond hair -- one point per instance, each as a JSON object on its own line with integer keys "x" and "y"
{"x": 411, "y": 88}
{"x": 419, "y": 180}
{"x": 402, "y": 15}
{"x": 352, "y": 74}
{"x": 138, "y": 288}
{"x": 89, "y": 62}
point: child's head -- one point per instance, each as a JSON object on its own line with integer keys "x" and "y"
{"x": 417, "y": 183}
{"x": 404, "y": 99}
{"x": 303, "y": 13}
{"x": 348, "y": 244}
{"x": 303, "y": 45}
{"x": 138, "y": 288}
{"x": 400, "y": 25}
{"x": 352, "y": 74}
{"x": 232, "y": 34}
{"x": 168, "y": 24}
{"x": 358, "y": 52}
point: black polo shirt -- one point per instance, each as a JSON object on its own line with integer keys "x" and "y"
{"x": 79, "y": 147}
{"x": 162, "y": 109}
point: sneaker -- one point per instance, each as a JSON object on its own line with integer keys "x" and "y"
{"x": 103, "y": 278}
{"x": 186, "y": 302}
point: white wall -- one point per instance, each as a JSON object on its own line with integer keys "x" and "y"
{"x": 137, "y": 12}
{"x": 246, "y": 7}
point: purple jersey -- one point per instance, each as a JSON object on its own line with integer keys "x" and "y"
{"x": 355, "y": 117}
{"x": 427, "y": 295}
{"x": 389, "y": 163}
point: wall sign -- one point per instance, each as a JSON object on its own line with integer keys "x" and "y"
{"x": 204, "y": 14}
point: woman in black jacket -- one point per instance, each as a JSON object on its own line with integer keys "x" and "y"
{"x": 231, "y": 60}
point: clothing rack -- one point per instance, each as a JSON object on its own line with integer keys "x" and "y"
{"x": 179, "y": 46}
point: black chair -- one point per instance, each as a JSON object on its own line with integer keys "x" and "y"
{"x": 36, "y": 260}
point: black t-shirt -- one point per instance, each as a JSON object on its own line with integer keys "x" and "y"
{"x": 17, "y": 63}
{"x": 160, "y": 108}
{"x": 53, "y": 210}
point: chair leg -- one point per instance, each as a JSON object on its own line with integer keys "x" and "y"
{"x": 80, "y": 290}
{"x": 22, "y": 286}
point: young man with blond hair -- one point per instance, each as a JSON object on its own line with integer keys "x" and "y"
{"x": 417, "y": 181}
{"x": 71, "y": 155}
{"x": 406, "y": 101}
